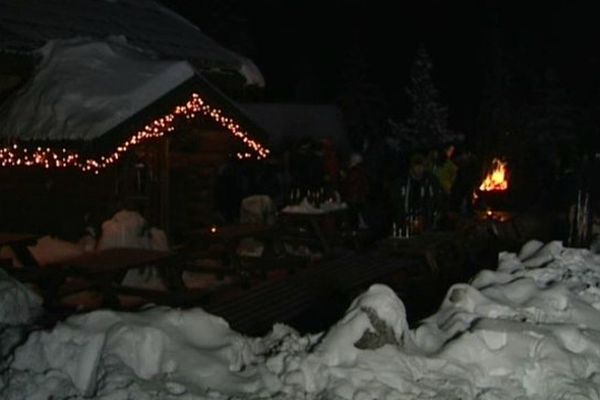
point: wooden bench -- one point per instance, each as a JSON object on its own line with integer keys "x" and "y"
{"x": 103, "y": 271}
{"x": 18, "y": 243}
{"x": 442, "y": 252}
{"x": 220, "y": 245}
{"x": 308, "y": 228}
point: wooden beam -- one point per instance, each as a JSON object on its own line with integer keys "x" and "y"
{"x": 164, "y": 182}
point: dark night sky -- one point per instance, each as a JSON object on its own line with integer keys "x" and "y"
{"x": 302, "y": 47}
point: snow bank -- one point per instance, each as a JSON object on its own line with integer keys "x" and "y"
{"x": 157, "y": 350}
{"x": 19, "y": 307}
{"x": 18, "y": 304}
{"x": 530, "y": 330}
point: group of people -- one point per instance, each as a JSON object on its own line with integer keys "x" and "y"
{"x": 434, "y": 186}
{"x": 411, "y": 193}
{"x": 415, "y": 198}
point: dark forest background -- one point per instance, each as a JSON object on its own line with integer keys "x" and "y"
{"x": 524, "y": 70}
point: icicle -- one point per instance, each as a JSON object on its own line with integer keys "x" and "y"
{"x": 406, "y": 196}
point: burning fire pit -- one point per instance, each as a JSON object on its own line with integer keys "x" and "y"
{"x": 493, "y": 190}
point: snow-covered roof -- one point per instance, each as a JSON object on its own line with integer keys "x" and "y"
{"x": 288, "y": 123}
{"x": 26, "y": 25}
{"x": 83, "y": 88}
{"x": 112, "y": 94}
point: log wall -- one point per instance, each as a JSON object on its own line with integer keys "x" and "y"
{"x": 195, "y": 158}
{"x": 171, "y": 182}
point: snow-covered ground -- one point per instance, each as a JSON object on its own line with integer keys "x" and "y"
{"x": 528, "y": 330}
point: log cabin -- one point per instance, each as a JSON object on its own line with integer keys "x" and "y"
{"x": 113, "y": 105}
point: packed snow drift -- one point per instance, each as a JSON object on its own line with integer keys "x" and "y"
{"x": 528, "y": 330}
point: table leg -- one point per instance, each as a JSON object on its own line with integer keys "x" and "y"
{"x": 432, "y": 262}
{"x": 171, "y": 272}
{"x": 314, "y": 223}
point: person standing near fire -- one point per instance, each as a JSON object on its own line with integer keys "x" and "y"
{"x": 355, "y": 191}
{"x": 416, "y": 198}
{"x": 446, "y": 169}
{"x": 460, "y": 200}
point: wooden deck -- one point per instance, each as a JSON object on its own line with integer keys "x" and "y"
{"x": 325, "y": 286}
{"x": 305, "y": 298}
{"x": 312, "y": 297}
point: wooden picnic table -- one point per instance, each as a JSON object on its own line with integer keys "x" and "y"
{"x": 308, "y": 226}
{"x": 227, "y": 239}
{"x": 103, "y": 270}
{"x": 109, "y": 261}
{"x": 18, "y": 243}
{"x": 441, "y": 250}
{"x": 10, "y": 238}
{"x": 106, "y": 269}
{"x": 232, "y": 233}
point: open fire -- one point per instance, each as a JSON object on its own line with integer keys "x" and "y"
{"x": 493, "y": 189}
{"x": 497, "y": 178}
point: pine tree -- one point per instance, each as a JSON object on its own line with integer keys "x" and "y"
{"x": 427, "y": 125}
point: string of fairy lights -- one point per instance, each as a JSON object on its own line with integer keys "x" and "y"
{"x": 16, "y": 155}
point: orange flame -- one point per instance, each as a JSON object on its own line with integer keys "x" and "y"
{"x": 497, "y": 178}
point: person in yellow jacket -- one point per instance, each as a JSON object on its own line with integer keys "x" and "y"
{"x": 446, "y": 171}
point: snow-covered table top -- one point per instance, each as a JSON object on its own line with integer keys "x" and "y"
{"x": 307, "y": 208}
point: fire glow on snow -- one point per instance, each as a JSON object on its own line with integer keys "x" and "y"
{"x": 529, "y": 330}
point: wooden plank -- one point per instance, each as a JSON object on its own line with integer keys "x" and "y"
{"x": 173, "y": 298}
{"x": 256, "y": 310}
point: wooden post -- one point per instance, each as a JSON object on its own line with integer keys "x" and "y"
{"x": 164, "y": 174}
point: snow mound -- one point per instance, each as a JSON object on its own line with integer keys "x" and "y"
{"x": 105, "y": 351}
{"x": 18, "y": 304}
{"x": 530, "y": 330}
{"x": 130, "y": 229}
{"x": 374, "y": 319}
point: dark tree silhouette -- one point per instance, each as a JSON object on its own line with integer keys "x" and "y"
{"x": 427, "y": 124}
